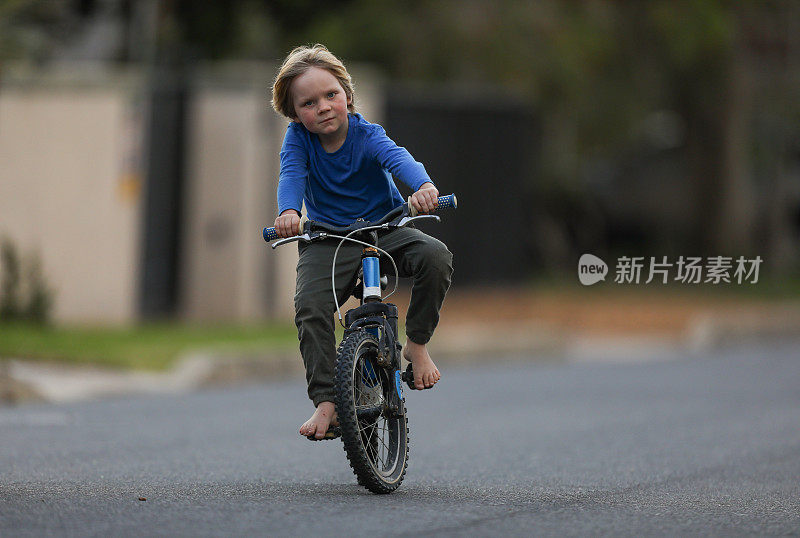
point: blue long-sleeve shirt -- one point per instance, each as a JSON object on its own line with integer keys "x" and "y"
{"x": 353, "y": 182}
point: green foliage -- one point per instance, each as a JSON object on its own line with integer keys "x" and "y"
{"x": 33, "y": 29}
{"x": 598, "y": 73}
{"x": 23, "y": 299}
{"x": 40, "y": 296}
{"x": 10, "y": 282}
{"x": 146, "y": 347}
{"x": 603, "y": 66}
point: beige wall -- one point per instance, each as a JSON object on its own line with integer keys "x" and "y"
{"x": 69, "y": 181}
{"x": 71, "y": 190}
{"x": 235, "y": 136}
{"x": 229, "y": 196}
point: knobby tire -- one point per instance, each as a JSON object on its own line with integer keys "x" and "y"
{"x": 377, "y": 448}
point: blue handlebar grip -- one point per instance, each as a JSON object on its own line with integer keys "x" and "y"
{"x": 447, "y": 202}
{"x": 270, "y": 234}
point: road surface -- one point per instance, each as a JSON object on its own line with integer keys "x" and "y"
{"x": 684, "y": 445}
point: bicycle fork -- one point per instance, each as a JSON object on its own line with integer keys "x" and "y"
{"x": 371, "y": 293}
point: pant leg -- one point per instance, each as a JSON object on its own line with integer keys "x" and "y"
{"x": 315, "y": 307}
{"x": 430, "y": 264}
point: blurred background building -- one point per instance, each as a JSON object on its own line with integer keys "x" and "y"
{"x": 138, "y": 151}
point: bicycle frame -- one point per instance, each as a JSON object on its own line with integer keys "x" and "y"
{"x": 370, "y": 269}
{"x": 368, "y": 381}
{"x": 374, "y": 315}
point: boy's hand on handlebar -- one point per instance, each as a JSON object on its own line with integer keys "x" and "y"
{"x": 426, "y": 198}
{"x": 288, "y": 223}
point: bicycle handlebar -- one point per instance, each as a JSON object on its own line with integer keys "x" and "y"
{"x": 448, "y": 201}
{"x": 444, "y": 202}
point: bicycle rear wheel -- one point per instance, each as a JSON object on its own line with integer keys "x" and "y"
{"x": 375, "y": 436}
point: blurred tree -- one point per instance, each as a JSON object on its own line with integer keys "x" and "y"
{"x": 24, "y": 293}
{"x": 598, "y": 71}
{"x": 32, "y": 29}
{"x": 702, "y": 77}
{"x": 10, "y": 284}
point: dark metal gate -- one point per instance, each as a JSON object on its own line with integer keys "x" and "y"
{"x": 484, "y": 148}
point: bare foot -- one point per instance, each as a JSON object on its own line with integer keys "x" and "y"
{"x": 317, "y": 425}
{"x": 425, "y": 372}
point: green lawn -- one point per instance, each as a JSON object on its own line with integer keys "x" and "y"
{"x": 151, "y": 346}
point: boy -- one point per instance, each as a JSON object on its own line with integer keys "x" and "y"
{"x": 340, "y": 165}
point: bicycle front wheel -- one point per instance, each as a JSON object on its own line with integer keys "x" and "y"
{"x": 375, "y": 436}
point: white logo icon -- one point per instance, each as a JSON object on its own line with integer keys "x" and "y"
{"x": 591, "y": 269}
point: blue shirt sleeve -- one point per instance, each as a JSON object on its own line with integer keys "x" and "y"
{"x": 396, "y": 159}
{"x": 293, "y": 171}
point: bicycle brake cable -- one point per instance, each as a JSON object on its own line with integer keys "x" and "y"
{"x": 336, "y": 253}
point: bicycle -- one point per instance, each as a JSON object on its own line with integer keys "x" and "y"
{"x": 368, "y": 380}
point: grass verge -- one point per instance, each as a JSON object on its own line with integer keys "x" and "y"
{"x": 153, "y": 346}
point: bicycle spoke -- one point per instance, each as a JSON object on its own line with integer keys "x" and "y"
{"x": 374, "y": 436}
{"x": 378, "y": 452}
{"x": 372, "y": 448}
{"x": 374, "y": 430}
{"x": 385, "y": 448}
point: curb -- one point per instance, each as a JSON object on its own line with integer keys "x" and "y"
{"x": 706, "y": 331}
{"x": 26, "y": 382}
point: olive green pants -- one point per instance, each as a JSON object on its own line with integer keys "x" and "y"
{"x": 417, "y": 255}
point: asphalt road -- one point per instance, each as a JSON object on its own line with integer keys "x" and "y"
{"x": 683, "y": 445}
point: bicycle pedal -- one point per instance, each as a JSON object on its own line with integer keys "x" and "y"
{"x": 334, "y": 432}
{"x": 408, "y": 377}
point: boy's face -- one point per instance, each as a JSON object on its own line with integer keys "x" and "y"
{"x": 320, "y": 103}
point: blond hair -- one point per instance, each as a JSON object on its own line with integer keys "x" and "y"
{"x": 300, "y": 60}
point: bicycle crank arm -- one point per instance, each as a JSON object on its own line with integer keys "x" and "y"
{"x": 369, "y": 414}
{"x": 408, "y": 378}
